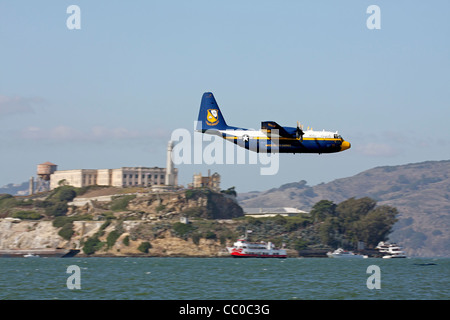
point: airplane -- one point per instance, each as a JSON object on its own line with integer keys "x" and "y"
{"x": 271, "y": 138}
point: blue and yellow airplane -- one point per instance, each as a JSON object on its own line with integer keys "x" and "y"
{"x": 271, "y": 138}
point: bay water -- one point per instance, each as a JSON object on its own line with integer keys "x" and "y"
{"x": 224, "y": 279}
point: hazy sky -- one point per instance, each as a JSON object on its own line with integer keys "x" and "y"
{"x": 110, "y": 94}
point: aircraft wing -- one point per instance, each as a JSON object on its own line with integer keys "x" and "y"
{"x": 268, "y": 126}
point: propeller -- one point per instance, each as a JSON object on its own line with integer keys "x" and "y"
{"x": 299, "y": 132}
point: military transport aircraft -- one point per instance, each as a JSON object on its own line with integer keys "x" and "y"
{"x": 271, "y": 138}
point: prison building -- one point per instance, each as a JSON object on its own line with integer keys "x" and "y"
{"x": 122, "y": 177}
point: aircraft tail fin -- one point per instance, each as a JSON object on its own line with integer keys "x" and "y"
{"x": 210, "y": 117}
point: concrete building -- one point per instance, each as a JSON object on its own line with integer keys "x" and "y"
{"x": 77, "y": 178}
{"x": 271, "y": 212}
{"x": 211, "y": 181}
{"x": 122, "y": 177}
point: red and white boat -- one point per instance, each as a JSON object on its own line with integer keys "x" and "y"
{"x": 244, "y": 249}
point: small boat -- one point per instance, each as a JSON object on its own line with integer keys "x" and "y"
{"x": 30, "y": 255}
{"x": 244, "y": 249}
{"x": 341, "y": 253}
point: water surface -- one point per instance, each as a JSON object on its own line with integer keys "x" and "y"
{"x": 224, "y": 279}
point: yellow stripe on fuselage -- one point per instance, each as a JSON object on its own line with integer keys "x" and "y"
{"x": 283, "y": 138}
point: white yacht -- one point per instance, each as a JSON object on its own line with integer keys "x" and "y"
{"x": 341, "y": 253}
{"x": 390, "y": 250}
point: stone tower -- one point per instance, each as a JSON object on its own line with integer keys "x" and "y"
{"x": 170, "y": 174}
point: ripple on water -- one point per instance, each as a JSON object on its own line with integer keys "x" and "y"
{"x": 197, "y": 278}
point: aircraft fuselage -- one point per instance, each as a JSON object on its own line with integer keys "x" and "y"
{"x": 271, "y": 138}
{"x": 261, "y": 141}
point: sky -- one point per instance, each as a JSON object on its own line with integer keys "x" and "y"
{"x": 111, "y": 93}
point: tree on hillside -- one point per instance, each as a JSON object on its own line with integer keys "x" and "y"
{"x": 67, "y": 194}
{"x": 329, "y": 232}
{"x": 351, "y": 210}
{"x": 230, "y": 191}
{"x": 376, "y": 225}
{"x": 353, "y": 220}
{"x": 322, "y": 210}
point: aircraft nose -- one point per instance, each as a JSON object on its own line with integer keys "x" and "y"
{"x": 345, "y": 145}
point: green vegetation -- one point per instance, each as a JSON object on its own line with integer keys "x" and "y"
{"x": 66, "y": 225}
{"x": 203, "y": 228}
{"x": 210, "y": 235}
{"x": 182, "y": 229}
{"x": 120, "y": 203}
{"x": 278, "y": 223}
{"x": 56, "y": 203}
{"x": 328, "y": 224}
{"x": 160, "y": 208}
{"x": 196, "y": 238}
{"x": 144, "y": 247}
{"x": 195, "y": 212}
{"x": 57, "y": 209}
{"x": 300, "y": 244}
{"x": 190, "y": 193}
{"x": 112, "y": 237}
{"x": 66, "y": 231}
{"x": 53, "y": 206}
{"x": 194, "y": 193}
{"x": 10, "y": 204}
{"x": 62, "y": 194}
{"x": 230, "y": 191}
{"x": 92, "y": 245}
{"x": 27, "y": 215}
{"x": 353, "y": 220}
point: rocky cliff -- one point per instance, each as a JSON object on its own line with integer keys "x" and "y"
{"x": 27, "y": 235}
{"x": 119, "y": 225}
{"x": 199, "y": 203}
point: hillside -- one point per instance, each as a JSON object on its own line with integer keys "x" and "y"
{"x": 131, "y": 222}
{"x": 420, "y": 192}
{"x": 110, "y": 222}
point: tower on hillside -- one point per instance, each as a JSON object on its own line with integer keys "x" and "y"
{"x": 44, "y": 171}
{"x": 31, "y": 186}
{"x": 170, "y": 172}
